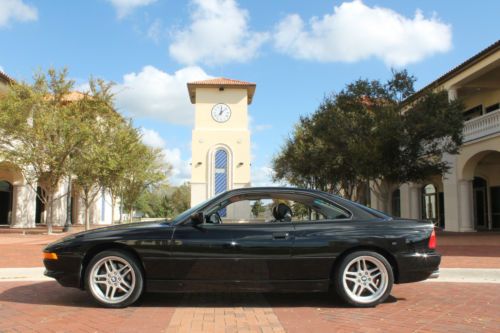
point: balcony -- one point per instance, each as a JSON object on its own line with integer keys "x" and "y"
{"x": 482, "y": 126}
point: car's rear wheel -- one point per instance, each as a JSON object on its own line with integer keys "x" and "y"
{"x": 114, "y": 279}
{"x": 364, "y": 279}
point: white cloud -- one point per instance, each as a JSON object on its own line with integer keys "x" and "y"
{"x": 181, "y": 170}
{"x": 155, "y": 31}
{"x": 152, "y": 138}
{"x": 355, "y": 31}
{"x": 262, "y": 176}
{"x": 153, "y": 93}
{"x": 16, "y": 10}
{"x": 125, "y": 7}
{"x": 262, "y": 127}
{"x": 218, "y": 33}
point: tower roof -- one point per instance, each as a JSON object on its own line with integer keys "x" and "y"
{"x": 221, "y": 82}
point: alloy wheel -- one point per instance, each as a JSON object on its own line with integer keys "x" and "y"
{"x": 365, "y": 279}
{"x": 112, "y": 280}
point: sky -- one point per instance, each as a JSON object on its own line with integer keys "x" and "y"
{"x": 295, "y": 51}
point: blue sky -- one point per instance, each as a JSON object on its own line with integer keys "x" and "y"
{"x": 296, "y": 51}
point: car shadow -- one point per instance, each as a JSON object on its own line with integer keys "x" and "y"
{"x": 50, "y": 293}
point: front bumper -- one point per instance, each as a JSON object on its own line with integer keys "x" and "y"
{"x": 66, "y": 270}
{"x": 414, "y": 267}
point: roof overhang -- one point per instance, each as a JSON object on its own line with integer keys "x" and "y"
{"x": 221, "y": 84}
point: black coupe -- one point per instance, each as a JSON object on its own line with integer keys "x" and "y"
{"x": 251, "y": 239}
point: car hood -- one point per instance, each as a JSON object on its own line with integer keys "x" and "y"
{"x": 111, "y": 231}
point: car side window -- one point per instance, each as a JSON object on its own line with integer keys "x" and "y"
{"x": 276, "y": 208}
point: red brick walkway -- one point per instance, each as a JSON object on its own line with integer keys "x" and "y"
{"x": 417, "y": 307}
{"x": 420, "y": 307}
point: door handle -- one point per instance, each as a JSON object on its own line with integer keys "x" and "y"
{"x": 280, "y": 235}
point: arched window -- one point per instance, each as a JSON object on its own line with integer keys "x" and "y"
{"x": 396, "y": 203}
{"x": 220, "y": 176}
{"x": 429, "y": 202}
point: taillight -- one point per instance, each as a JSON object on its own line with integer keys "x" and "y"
{"x": 432, "y": 240}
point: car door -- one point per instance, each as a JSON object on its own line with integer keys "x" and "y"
{"x": 201, "y": 252}
{"x": 262, "y": 251}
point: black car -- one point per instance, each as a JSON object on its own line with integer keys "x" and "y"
{"x": 251, "y": 239}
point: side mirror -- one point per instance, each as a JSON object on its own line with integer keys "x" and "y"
{"x": 197, "y": 218}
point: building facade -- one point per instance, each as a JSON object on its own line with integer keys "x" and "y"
{"x": 467, "y": 198}
{"x": 20, "y": 204}
{"x": 220, "y": 138}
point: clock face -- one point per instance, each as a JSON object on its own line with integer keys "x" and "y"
{"x": 221, "y": 113}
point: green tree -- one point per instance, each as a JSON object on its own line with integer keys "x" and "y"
{"x": 257, "y": 208}
{"x": 181, "y": 198}
{"x": 144, "y": 168}
{"x": 370, "y": 133}
{"x": 40, "y": 130}
{"x": 94, "y": 164}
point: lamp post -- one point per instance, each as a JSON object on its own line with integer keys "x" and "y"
{"x": 69, "y": 207}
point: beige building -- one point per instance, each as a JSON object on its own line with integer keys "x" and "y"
{"x": 20, "y": 206}
{"x": 467, "y": 198}
{"x": 221, "y": 138}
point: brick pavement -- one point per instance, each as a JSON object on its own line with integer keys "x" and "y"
{"x": 417, "y": 307}
{"x": 420, "y": 307}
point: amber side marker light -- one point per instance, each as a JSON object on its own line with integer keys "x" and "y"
{"x": 50, "y": 256}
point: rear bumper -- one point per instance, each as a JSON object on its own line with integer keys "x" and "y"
{"x": 416, "y": 267}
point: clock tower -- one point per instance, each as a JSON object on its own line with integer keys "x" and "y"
{"x": 221, "y": 138}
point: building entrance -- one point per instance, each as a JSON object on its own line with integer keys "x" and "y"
{"x": 5, "y": 202}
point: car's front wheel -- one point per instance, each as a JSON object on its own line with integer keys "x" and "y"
{"x": 114, "y": 279}
{"x": 364, "y": 278}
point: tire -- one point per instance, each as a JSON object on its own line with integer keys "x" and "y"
{"x": 364, "y": 279}
{"x": 114, "y": 279}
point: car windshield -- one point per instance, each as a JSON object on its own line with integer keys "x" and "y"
{"x": 182, "y": 216}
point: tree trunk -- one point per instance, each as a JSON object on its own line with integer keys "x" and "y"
{"x": 121, "y": 211}
{"x": 51, "y": 213}
{"x": 87, "y": 217}
{"x": 113, "y": 203}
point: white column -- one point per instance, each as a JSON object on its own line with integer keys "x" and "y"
{"x": 451, "y": 198}
{"x": 452, "y": 94}
{"x": 466, "y": 205}
{"x": 451, "y": 205}
{"x": 415, "y": 194}
{"x": 23, "y": 207}
{"x": 404, "y": 190}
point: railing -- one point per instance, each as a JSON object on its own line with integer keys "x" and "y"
{"x": 482, "y": 126}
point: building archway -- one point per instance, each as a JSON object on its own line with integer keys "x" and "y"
{"x": 481, "y": 171}
{"x": 5, "y": 202}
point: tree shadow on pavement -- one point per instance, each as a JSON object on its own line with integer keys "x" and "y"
{"x": 50, "y": 293}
